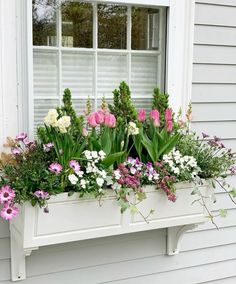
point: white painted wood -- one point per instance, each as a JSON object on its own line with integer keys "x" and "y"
{"x": 226, "y": 130}
{"x": 218, "y": 2}
{"x": 214, "y": 93}
{"x": 214, "y": 111}
{"x": 230, "y": 280}
{"x": 214, "y": 54}
{"x": 215, "y": 15}
{"x": 215, "y": 35}
{"x": 33, "y": 228}
{"x": 4, "y": 248}
{"x": 206, "y": 73}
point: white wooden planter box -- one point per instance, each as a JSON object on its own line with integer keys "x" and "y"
{"x": 73, "y": 219}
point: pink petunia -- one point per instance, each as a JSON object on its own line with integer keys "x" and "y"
{"x": 7, "y": 194}
{"x": 99, "y": 117}
{"x": 141, "y": 115}
{"x": 168, "y": 114}
{"x": 41, "y": 194}
{"x": 110, "y": 120}
{"x": 21, "y": 136}
{"x": 92, "y": 120}
{"x": 55, "y": 168}
{"x": 74, "y": 165}
{"x": 9, "y": 211}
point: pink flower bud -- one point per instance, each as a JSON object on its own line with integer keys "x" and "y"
{"x": 141, "y": 115}
{"x": 169, "y": 126}
{"x": 99, "y": 117}
{"x": 85, "y": 132}
{"x": 91, "y": 119}
{"x": 155, "y": 116}
{"x": 110, "y": 120}
{"x": 168, "y": 114}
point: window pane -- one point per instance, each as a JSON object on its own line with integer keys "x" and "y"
{"x": 144, "y": 76}
{"x": 112, "y": 69}
{"x": 44, "y": 22}
{"x": 77, "y": 73}
{"x": 45, "y": 73}
{"x": 145, "y": 29}
{"x": 77, "y": 25}
{"x": 112, "y": 26}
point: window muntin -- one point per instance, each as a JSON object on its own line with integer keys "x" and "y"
{"x": 94, "y": 48}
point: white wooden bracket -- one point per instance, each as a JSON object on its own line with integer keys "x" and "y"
{"x": 18, "y": 254}
{"x": 174, "y": 235}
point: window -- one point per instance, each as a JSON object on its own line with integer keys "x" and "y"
{"x": 92, "y": 47}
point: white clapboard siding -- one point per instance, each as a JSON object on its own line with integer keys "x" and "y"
{"x": 214, "y": 54}
{"x": 215, "y": 15}
{"x": 213, "y": 93}
{"x": 218, "y": 2}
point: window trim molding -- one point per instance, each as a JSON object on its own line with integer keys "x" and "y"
{"x": 179, "y": 55}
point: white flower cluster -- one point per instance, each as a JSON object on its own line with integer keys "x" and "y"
{"x": 93, "y": 174}
{"x": 181, "y": 165}
{"x": 133, "y": 129}
{"x": 62, "y": 123}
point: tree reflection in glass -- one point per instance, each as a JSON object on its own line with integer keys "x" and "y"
{"x": 145, "y": 29}
{"x": 77, "y": 24}
{"x": 112, "y": 26}
{"x": 44, "y": 22}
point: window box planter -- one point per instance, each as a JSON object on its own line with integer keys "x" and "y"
{"x": 73, "y": 219}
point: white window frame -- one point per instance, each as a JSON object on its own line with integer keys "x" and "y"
{"x": 179, "y": 53}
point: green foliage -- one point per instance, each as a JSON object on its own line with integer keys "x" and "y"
{"x": 161, "y": 103}
{"x": 212, "y": 157}
{"x": 122, "y": 107}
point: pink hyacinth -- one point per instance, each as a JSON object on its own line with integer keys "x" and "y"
{"x": 99, "y": 117}
{"x": 155, "y": 116}
{"x": 55, "y": 168}
{"x": 7, "y": 194}
{"x": 169, "y": 126}
{"x": 91, "y": 119}
{"x": 74, "y": 165}
{"x": 168, "y": 114}
{"x": 16, "y": 151}
{"x": 21, "y": 136}
{"x": 9, "y": 211}
{"x": 110, "y": 120}
{"x": 41, "y": 194}
{"x": 141, "y": 115}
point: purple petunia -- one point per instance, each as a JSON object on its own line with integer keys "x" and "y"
{"x": 16, "y": 151}
{"x": 21, "y": 136}
{"x": 47, "y": 147}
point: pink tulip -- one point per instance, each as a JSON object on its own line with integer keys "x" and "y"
{"x": 92, "y": 120}
{"x": 168, "y": 114}
{"x": 155, "y": 116}
{"x": 99, "y": 117}
{"x": 169, "y": 125}
{"x": 110, "y": 120}
{"x": 141, "y": 115}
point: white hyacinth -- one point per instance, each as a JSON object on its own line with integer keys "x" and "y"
{"x": 51, "y": 118}
{"x": 133, "y": 129}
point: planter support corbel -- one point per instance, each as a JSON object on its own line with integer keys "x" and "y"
{"x": 174, "y": 236}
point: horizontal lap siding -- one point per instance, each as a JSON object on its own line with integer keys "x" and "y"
{"x": 214, "y": 112}
{"x": 207, "y": 255}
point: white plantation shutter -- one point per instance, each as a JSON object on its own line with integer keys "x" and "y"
{"x": 45, "y": 74}
{"x": 78, "y": 73}
{"x": 112, "y": 69}
{"x": 144, "y": 77}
